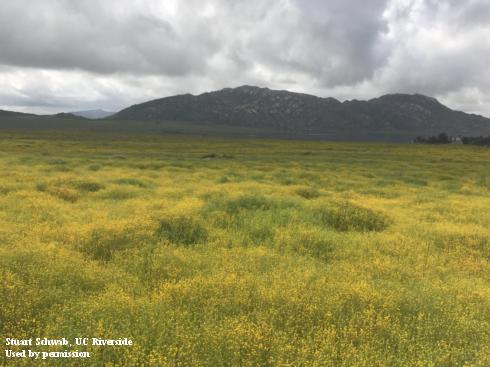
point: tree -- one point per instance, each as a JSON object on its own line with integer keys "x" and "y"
{"x": 443, "y": 138}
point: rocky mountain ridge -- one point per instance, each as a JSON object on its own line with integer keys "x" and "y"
{"x": 256, "y": 107}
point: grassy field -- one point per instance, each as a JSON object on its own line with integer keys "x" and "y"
{"x": 246, "y": 252}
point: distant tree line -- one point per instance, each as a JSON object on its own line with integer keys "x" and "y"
{"x": 479, "y": 140}
{"x": 444, "y": 138}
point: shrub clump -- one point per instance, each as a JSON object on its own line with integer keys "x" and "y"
{"x": 182, "y": 230}
{"x": 120, "y": 194}
{"x": 306, "y": 242}
{"x": 60, "y": 191}
{"x": 102, "y": 244}
{"x": 89, "y": 186}
{"x": 68, "y": 190}
{"x": 248, "y": 202}
{"x": 66, "y": 194}
{"x": 249, "y": 219}
{"x": 308, "y": 192}
{"x": 131, "y": 182}
{"x": 56, "y": 162}
{"x": 346, "y": 216}
{"x": 94, "y": 167}
{"x": 237, "y": 205}
{"x": 215, "y": 156}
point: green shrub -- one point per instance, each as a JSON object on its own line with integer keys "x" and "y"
{"x": 68, "y": 190}
{"x": 94, "y": 167}
{"x": 56, "y": 162}
{"x": 306, "y": 242}
{"x": 41, "y": 186}
{"x": 249, "y": 202}
{"x": 102, "y": 243}
{"x": 308, "y": 192}
{"x": 66, "y": 194}
{"x": 131, "y": 182}
{"x": 119, "y": 195}
{"x": 349, "y": 217}
{"x": 89, "y": 186}
{"x": 182, "y": 230}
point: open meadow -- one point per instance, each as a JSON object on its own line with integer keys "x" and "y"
{"x": 227, "y": 252}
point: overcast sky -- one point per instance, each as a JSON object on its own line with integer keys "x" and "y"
{"x": 64, "y": 55}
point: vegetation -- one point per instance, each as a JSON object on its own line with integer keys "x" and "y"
{"x": 444, "y": 138}
{"x": 479, "y": 140}
{"x": 213, "y": 252}
{"x": 303, "y": 115}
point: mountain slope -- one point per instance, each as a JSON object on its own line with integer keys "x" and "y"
{"x": 242, "y": 106}
{"x": 249, "y": 106}
{"x": 13, "y": 114}
{"x": 416, "y": 112}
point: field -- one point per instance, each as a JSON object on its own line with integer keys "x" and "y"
{"x": 222, "y": 252}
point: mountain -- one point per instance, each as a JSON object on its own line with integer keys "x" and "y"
{"x": 11, "y": 121}
{"x": 288, "y": 112}
{"x": 7, "y": 114}
{"x": 93, "y": 114}
{"x": 243, "y": 106}
{"x": 67, "y": 115}
{"x": 21, "y": 115}
{"x": 249, "y": 111}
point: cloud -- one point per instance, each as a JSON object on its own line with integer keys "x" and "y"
{"x": 442, "y": 49}
{"x": 64, "y": 54}
{"x": 128, "y": 37}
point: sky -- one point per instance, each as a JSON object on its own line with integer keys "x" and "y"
{"x": 69, "y": 55}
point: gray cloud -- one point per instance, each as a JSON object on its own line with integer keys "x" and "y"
{"x": 96, "y": 37}
{"x": 440, "y": 49}
{"x": 64, "y": 54}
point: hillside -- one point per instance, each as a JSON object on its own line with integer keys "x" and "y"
{"x": 12, "y": 114}
{"x": 285, "y": 111}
